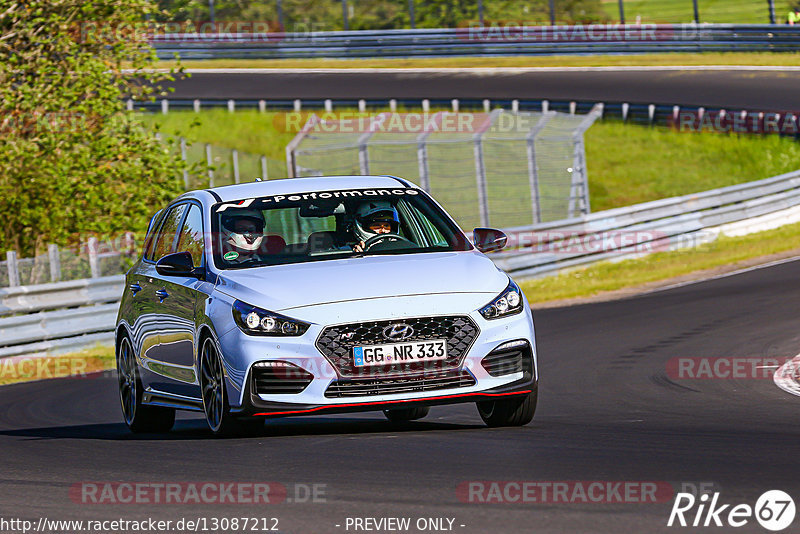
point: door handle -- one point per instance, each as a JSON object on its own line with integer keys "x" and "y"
{"x": 162, "y": 294}
{"x": 135, "y": 288}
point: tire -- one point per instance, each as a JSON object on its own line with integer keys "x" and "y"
{"x": 400, "y": 415}
{"x": 215, "y": 398}
{"x": 516, "y": 411}
{"x": 139, "y": 418}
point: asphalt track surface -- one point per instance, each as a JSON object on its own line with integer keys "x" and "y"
{"x": 729, "y": 89}
{"x": 607, "y": 412}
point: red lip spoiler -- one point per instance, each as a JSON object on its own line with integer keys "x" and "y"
{"x": 383, "y": 403}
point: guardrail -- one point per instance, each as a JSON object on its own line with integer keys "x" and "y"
{"x": 492, "y": 40}
{"x": 36, "y": 322}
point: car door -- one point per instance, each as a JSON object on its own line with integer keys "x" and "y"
{"x": 177, "y": 297}
{"x": 151, "y": 302}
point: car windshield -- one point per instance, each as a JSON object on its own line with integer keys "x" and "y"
{"x": 326, "y": 225}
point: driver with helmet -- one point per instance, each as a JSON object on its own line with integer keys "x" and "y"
{"x": 373, "y": 218}
{"x": 242, "y": 235}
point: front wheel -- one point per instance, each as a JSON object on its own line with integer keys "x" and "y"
{"x": 400, "y": 415}
{"x": 215, "y": 398}
{"x": 139, "y": 418}
{"x": 516, "y": 411}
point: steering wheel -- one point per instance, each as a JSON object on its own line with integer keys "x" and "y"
{"x": 380, "y": 238}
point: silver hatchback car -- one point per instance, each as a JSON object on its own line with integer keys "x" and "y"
{"x": 314, "y": 296}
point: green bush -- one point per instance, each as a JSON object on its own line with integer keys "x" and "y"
{"x": 75, "y": 162}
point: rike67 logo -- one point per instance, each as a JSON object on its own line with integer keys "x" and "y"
{"x": 774, "y": 510}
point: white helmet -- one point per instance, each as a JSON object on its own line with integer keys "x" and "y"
{"x": 372, "y": 211}
{"x": 242, "y": 241}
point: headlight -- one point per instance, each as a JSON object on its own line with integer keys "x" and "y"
{"x": 258, "y": 322}
{"x": 509, "y": 302}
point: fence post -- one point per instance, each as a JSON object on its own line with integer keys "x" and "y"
{"x": 480, "y": 168}
{"x": 94, "y": 264}
{"x": 183, "y": 157}
{"x": 55, "y": 262}
{"x": 13, "y": 272}
{"x": 422, "y": 152}
{"x": 533, "y": 168}
{"x": 209, "y": 162}
{"x": 235, "y": 157}
{"x": 264, "y": 175}
{"x": 363, "y": 143}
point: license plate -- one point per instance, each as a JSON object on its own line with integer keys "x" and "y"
{"x": 394, "y": 353}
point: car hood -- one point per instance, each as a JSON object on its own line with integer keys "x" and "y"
{"x": 286, "y": 287}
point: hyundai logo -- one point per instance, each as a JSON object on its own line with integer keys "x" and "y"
{"x": 399, "y": 331}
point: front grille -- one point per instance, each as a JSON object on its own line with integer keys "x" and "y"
{"x": 360, "y": 387}
{"x": 507, "y": 361}
{"x": 280, "y": 380}
{"x": 336, "y": 343}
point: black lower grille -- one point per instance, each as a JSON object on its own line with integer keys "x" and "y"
{"x": 280, "y": 380}
{"x": 507, "y": 361}
{"x": 336, "y": 343}
{"x": 360, "y": 387}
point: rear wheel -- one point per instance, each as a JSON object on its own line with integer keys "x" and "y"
{"x": 215, "y": 398}
{"x": 516, "y": 411}
{"x": 399, "y": 415}
{"x": 139, "y": 418}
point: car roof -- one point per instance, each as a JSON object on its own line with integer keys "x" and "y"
{"x": 303, "y": 185}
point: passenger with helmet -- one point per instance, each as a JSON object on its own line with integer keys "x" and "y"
{"x": 242, "y": 235}
{"x": 373, "y": 218}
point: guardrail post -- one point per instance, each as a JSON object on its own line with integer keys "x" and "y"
{"x": 13, "y": 272}
{"x": 94, "y": 264}
{"x": 454, "y": 104}
{"x": 651, "y": 113}
{"x": 231, "y": 105}
{"x": 625, "y": 108}
{"x": 164, "y": 106}
{"x": 129, "y": 105}
{"x": 362, "y": 105}
{"x": 196, "y": 105}
{"x": 235, "y": 157}
{"x": 426, "y": 105}
{"x": 264, "y": 175}
{"x": 55, "y": 262}
{"x": 262, "y": 106}
{"x": 515, "y": 105}
{"x": 392, "y": 105}
{"x": 210, "y": 162}
{"x": 487, "y": 105}
{"x": 545, "y": 106}
{"x": 572, "y": 107}
{"x": 328, "y": 105}
{"x": 298, "y": 105}
{"x": 183, "y": 157}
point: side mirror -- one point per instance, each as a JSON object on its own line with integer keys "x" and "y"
{"x": 176, "y": 264}
{"x": 488, "y": 239}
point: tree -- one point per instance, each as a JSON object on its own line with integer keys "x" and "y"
{"x": 74, "y": 162}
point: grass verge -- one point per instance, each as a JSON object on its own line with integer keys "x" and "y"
{"x": 608, "y": 276}
{"x": 782, "y": 59}
{"x": 25, "y": 369}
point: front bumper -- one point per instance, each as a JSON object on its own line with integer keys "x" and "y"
{"x": 242, "y": 351}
